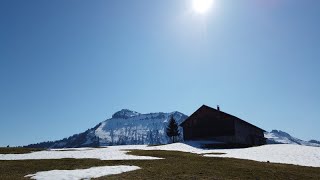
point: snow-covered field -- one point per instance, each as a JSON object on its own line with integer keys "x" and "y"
{"x": 78, "y": 174}
{"x": 109, "y": 153}
{"x": 277, "y": 153}
{"x": 281, "y": 153}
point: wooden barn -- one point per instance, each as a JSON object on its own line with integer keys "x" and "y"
{"x": 214, "y": 125}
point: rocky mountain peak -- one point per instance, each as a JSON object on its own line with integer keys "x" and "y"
{"x": 281, "y": 133}
{"x": 125, "y": 114}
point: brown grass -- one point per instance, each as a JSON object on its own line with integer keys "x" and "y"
{"x": 16, "y": 150}
{"x": 176, "y": 165}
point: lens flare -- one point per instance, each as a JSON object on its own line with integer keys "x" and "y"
{"x": 202, "y": 6}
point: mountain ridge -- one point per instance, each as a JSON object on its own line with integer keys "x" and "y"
{"x": 130, "y": 127}
{"x": 281, "y": 137}
{"x": 124, "y": 127}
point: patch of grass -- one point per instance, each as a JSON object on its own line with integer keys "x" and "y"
{"x": 17, "y": 150}
{"x": 154, "y": 145}
{"x": 176, "y": 165}
{"x": 18, "y": 169}
{"x": 179, "y": 165}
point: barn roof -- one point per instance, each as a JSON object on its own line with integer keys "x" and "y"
{"x": 212, "y": 109}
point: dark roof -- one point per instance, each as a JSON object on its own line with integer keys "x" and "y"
{"x": 208, "y": 107}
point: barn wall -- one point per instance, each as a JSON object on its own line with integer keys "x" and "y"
{"x": 223, "y": 139}
{"x": 247, "y": 134}
{"x": 206, "y": 123}
{"x": 210, "y": 124}
{"x": 226, "y": 139}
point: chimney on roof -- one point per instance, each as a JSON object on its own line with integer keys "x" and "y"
{"x": 218, "y": 107}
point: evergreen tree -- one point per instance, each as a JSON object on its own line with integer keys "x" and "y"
{"x": 172, "y": 129}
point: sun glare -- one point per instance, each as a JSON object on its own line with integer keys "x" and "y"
{"x": 202, "y": 6}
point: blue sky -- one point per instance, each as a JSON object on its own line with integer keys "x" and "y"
{"x": 67, "y": 65}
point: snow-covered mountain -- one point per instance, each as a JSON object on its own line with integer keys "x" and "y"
{"x": 130, "y": 127}
{"x": 125, "y": 127}
{"x": 280, "y": 137}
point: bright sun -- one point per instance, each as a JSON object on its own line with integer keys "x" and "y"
{"x": 202, "y": 6}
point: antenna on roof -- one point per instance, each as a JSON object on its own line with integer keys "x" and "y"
{"x": 218, "y": 107}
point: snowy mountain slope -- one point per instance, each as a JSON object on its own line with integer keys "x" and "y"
{"x": 125, "y": 127}
{"x": 130, "y": 127}
{"x": 85, "y": 139}
{"x": 314, "y": 142}
{"x": 280, "y": 137}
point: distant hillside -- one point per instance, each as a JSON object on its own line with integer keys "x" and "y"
{"x": 314, "y": 142}
{"x": 280, "y": 137}
{"x": 125, "y": 127}
{"x": 130, "y": 127}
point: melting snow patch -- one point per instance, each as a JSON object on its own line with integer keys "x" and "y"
{"x": 94, "y": 153}
{"x": 281, "y": 153}
{"x": 276, "y": 153}
{"x": 78, "y": 174}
